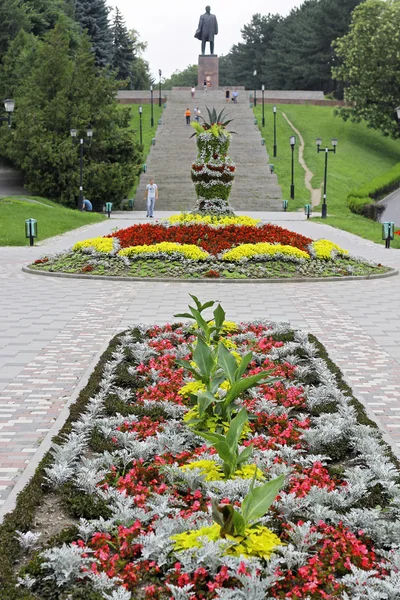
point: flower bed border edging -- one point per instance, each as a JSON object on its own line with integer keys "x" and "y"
{"x": 218, "y": 280}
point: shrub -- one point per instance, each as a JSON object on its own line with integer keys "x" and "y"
{"x": 361, "y": 200}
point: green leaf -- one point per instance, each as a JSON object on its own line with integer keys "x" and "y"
{"x": 219, "y": 316}
{"x": 246, "y": 360}
{"x": 186, "y": 315}
{"x": 216, "y": 512}
{"x": 227, "y": 362}
{"x": 245, "y": 455}
{"x": 259, "y": 499}
{"x": 203, "y": 358}
{"x": 207, "y": 305}
{"x": 211, "y": 437}
{"x": 227, "y": 515}
{"x": 199, "y": 320}
{"x": 224, "y": 452}
{"x": 239, "y": 524}
{"x": 196, "y": 300}
{"x": 242, "y": 385}
{"x": 216, "y": 382}
{"x": 204, "y": 399}
{"x": 235, "y": 430}
{"x": 188, "y": 367}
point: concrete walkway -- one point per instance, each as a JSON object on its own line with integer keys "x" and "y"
{"x": 53, "y": 330}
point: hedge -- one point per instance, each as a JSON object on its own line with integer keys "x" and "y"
{"x": 363, "y": 200}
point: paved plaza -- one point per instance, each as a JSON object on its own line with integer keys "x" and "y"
{"x": 53, "y": 330}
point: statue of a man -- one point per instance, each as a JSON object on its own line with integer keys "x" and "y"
{"x": 208, "y": 27}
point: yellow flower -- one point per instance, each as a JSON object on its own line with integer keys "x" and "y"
{"x": 258, "y": 541}
{"x": 228, "y": 344}
{"x": 192, "y": 388}
{"x": 188, "y": 250}
{"x": 323, "y": 249}
{"x": 187, "y": 219}
{"x": 100, "y": 244}
{"x": 208, "y": 468}
{"x": 262, "y": 249}
{"x": 247, "y": 472}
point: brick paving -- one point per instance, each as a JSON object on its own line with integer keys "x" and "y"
{"x": 52, "y": 330}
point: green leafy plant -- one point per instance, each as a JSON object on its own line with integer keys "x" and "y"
{"x": 227, "y": 445}
{"x": 254, "y": 507}
{"x": 213, "y": 365}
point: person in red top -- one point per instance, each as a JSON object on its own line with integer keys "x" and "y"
{"x": 188, "y": 115}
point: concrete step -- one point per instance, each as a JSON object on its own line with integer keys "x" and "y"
{"x": 169, "y": 161}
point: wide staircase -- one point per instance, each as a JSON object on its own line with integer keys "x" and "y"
{"x": 169, "y": 161}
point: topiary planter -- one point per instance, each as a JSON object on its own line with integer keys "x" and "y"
{"x": 213, "y": 171}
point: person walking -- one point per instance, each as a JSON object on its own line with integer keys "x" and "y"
{"x": 187, "y": 115}
{"x": 205, "y": 86}
{"x": 235, "y": 95}
{"x": 197, "y": 114}
{"x": 227, "y": 95}
{"x": 192, "y": 92}
{"x": 151, "y": 197}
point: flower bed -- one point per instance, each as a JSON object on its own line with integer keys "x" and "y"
{"x": 194, "y": 246}
{"x": 159, "y": 500}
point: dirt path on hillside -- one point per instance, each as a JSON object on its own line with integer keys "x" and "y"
{"x": 315, "y": 193}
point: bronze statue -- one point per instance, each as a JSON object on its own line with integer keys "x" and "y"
{"x": 208, "y": 27}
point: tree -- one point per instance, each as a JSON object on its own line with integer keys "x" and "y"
{"x": 370, "y": 65}
{"x": 123, "y": 50}
{"x": 141, "y": 78}
{"x": 13, "y": 17}
{"x": 92, "y": 15}
{"x": 186, "y": 78}
{"x": 63, "y": 90}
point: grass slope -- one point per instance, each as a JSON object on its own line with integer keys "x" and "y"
{"x": 148, "y": 132}
{"x": 52, "y": 219}
{"x": 362, "y": 154}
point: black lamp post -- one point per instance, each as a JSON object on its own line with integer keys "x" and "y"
{"x": 152, "y": 108}
{"x": 324, "y": 209}
{"x": 255, "y": 87}
{"x": 81, "y": 143}
{"x": 9, "y": 105}
{"x": 275, "y": 148}
{"x": 159, "y": 87}
{"x": 292, "y": 142}
{"x": 140, "y": 125}
{"x": 263, "y": 116}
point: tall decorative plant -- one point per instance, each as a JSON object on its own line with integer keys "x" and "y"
{"x": 213, "y": 171}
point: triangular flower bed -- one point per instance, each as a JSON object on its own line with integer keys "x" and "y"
{"x": 302, "y": 501}
{"x": 195, "y": 247}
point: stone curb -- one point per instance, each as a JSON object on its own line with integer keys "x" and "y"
{"x": 209, "y": 279}
{"x": 45, "y": 444}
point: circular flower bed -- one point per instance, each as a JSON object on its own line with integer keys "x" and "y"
{"x": 262, "y": 478}
{"x": 194, "y": 246}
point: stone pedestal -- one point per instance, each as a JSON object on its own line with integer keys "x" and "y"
{"x": 208, "y": 70}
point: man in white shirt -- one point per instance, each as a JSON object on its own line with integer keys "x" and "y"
{"x": 151, "y": 197}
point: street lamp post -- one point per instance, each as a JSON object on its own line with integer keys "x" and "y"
{"x": 255, "y": 87}
{"x": 159, "y": 87}
{"x": 81, "y": 143}
{"x": 152, "y": 108}
{"x": 9, "y": 105}
{"x": 292, "y": 142}
{"x": 263, "y": 116}
{"x": 140, "y": 125}
{"x": 275, "y": 148}
{"x": 324, "y": 209}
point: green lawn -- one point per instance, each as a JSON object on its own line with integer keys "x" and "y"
{"x": 52, "y": 219}
{"x": 361, "y": 155}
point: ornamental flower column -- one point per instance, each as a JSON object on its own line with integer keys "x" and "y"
{"x": 213, "y": 171}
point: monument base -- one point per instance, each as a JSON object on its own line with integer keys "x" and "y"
{"x": 208, "y": 70}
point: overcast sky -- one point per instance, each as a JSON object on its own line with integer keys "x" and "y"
{"x": 169, "y": 27}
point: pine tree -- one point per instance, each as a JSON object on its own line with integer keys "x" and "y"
{"x": 92, "y": 15}
{"x": 123, "y": 50}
